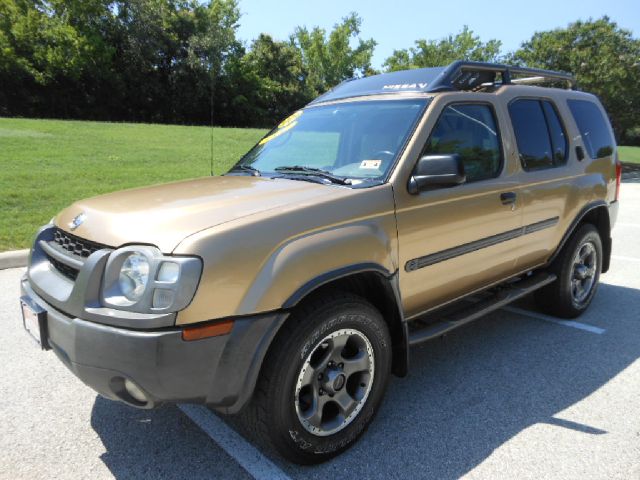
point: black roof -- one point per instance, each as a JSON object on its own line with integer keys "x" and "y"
{"x": 460, "y": 75}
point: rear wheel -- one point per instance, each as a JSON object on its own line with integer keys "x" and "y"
{"x": 323, "y": 379}
{"x": 578, "y": 269}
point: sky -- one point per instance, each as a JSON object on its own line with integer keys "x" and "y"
{"x": 396, "y": 24}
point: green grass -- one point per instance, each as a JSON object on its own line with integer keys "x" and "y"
{"x": 45, "y": 165}
{"x": 629, "y": 154}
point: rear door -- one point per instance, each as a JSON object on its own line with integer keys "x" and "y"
{"x": 458, "y": 239}
{"x": 563, "y": 170}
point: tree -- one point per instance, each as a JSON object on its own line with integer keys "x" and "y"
{"x": 42, "y": 51}
{"x": 210, "y": 50}
{"x": 605, "y": 59}
{"x": 142, "y": 60}
{"x": 269, "y": 81}
{"x": 330, "y": 60}
{"x": 435, "y": 53}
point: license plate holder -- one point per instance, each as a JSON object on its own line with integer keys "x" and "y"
{"x": 34, "y": 321}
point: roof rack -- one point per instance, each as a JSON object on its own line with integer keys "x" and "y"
{"x": 467, "y": 75}
{"x": 460, "y": 75}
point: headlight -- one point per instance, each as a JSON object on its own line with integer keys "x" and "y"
{"x": 134, "y": 276}
{"x": 142, "y": 279}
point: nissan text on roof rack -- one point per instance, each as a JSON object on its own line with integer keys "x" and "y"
{"x": 385, "y": 213}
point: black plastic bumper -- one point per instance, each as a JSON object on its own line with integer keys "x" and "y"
{"x": 219, "y": 371}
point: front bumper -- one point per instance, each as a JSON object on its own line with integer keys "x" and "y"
{"x": 219, "y": 371}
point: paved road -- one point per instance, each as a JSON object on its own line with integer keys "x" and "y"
{"x": 511, "y": 396}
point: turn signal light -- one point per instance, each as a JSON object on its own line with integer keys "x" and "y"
{"x": 205, "y": 331}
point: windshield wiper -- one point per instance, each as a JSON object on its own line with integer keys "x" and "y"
{"x": 317, "y": 172}
{"x": 246, "y": 168}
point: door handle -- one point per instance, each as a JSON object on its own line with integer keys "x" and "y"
{"x": 508, "y": 198}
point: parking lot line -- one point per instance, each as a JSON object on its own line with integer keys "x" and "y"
{"x": 625, "y": 224}
{"x": 547, "y": 318}
{"x": 625, "y": 258}
{"x": 247, "y": 456}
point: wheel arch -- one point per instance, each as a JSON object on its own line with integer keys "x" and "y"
{"x": 597, "y": 214}
{"x": 376, "y": 285}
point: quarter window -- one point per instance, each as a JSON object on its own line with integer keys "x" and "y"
{"x": 593, "y": 128}
{"x": 556, "y": 132}
{"x": 540, "y": 136}
{"x": 469, "y": 130}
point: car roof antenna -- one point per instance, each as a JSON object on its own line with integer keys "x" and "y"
{"x": 211, "y": 112}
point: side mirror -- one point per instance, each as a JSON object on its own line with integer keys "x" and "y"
{"x": 436, "y": 171}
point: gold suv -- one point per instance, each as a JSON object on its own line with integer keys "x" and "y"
{"x": 385, "y": 213}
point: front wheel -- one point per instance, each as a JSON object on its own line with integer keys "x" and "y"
{"x": 323, "y": 379}
{"x": 578, "y": 269}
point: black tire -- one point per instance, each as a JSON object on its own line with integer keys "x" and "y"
{"x": 559, "y": 298}
{"x": 273, "y": 413}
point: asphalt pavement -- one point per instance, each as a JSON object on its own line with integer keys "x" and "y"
{"x": 514, "y": 395}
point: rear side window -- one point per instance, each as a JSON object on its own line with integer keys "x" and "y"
{"x": 469, "y": 130}
{"x": 556, "y": 132}
{"x": 593, "y": 127}
{"x": 541, "y": 138}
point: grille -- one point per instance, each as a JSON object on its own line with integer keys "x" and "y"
{"x": 69, "y": 272}
{"x": 75, "y": 245}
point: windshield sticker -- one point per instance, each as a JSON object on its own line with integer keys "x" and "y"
{"x": 287, "y": 124}
{"x": 371, "y": 164}
{"x": 289, "y": 119}
{"x": 406, "y": 86}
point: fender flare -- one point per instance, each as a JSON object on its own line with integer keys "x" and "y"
{"x": 330, "y": 276}
{"x": 606, "y": 242}
{"x": 400, "y": 333}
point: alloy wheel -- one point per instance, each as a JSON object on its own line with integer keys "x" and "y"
{"x": 334, "y": 382}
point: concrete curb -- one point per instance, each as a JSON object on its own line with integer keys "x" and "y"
{"x": 14, "y": 259}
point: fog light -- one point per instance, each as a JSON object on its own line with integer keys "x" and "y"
{"x": 162, "y": 298}
{"x": 135, "y": 391}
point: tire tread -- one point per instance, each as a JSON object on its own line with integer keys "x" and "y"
{"x": 256, "y": 414}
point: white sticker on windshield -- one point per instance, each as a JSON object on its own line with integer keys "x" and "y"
{"x": 371, "y": 164}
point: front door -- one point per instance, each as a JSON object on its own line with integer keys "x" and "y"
{"x": 455, "y": 240}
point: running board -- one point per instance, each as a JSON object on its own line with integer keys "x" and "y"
{"x": 503, "y": 297}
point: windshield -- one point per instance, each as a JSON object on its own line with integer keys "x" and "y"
{"x": 358, "y": 141}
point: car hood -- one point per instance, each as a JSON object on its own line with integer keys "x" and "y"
{"x": 163, "y": 215}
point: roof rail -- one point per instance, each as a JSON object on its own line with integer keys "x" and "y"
{"x": 460, "y": 75}
{"x": 467, "y": 75}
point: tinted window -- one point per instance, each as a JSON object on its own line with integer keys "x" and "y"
{"x": 593, "y": 127}
{"x": 532, "y": 135}
{"x": 471, "y": 131}
{"x": 556, "y": 131}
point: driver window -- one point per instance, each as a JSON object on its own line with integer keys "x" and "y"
{"x": 469, "y": 130}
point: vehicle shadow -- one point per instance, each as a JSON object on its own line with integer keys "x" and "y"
{"x": 159, "y": 443}
{"x": 630, "y": 173}
{"x": 466, "y": 395}
{"x": 472, "y": 391}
